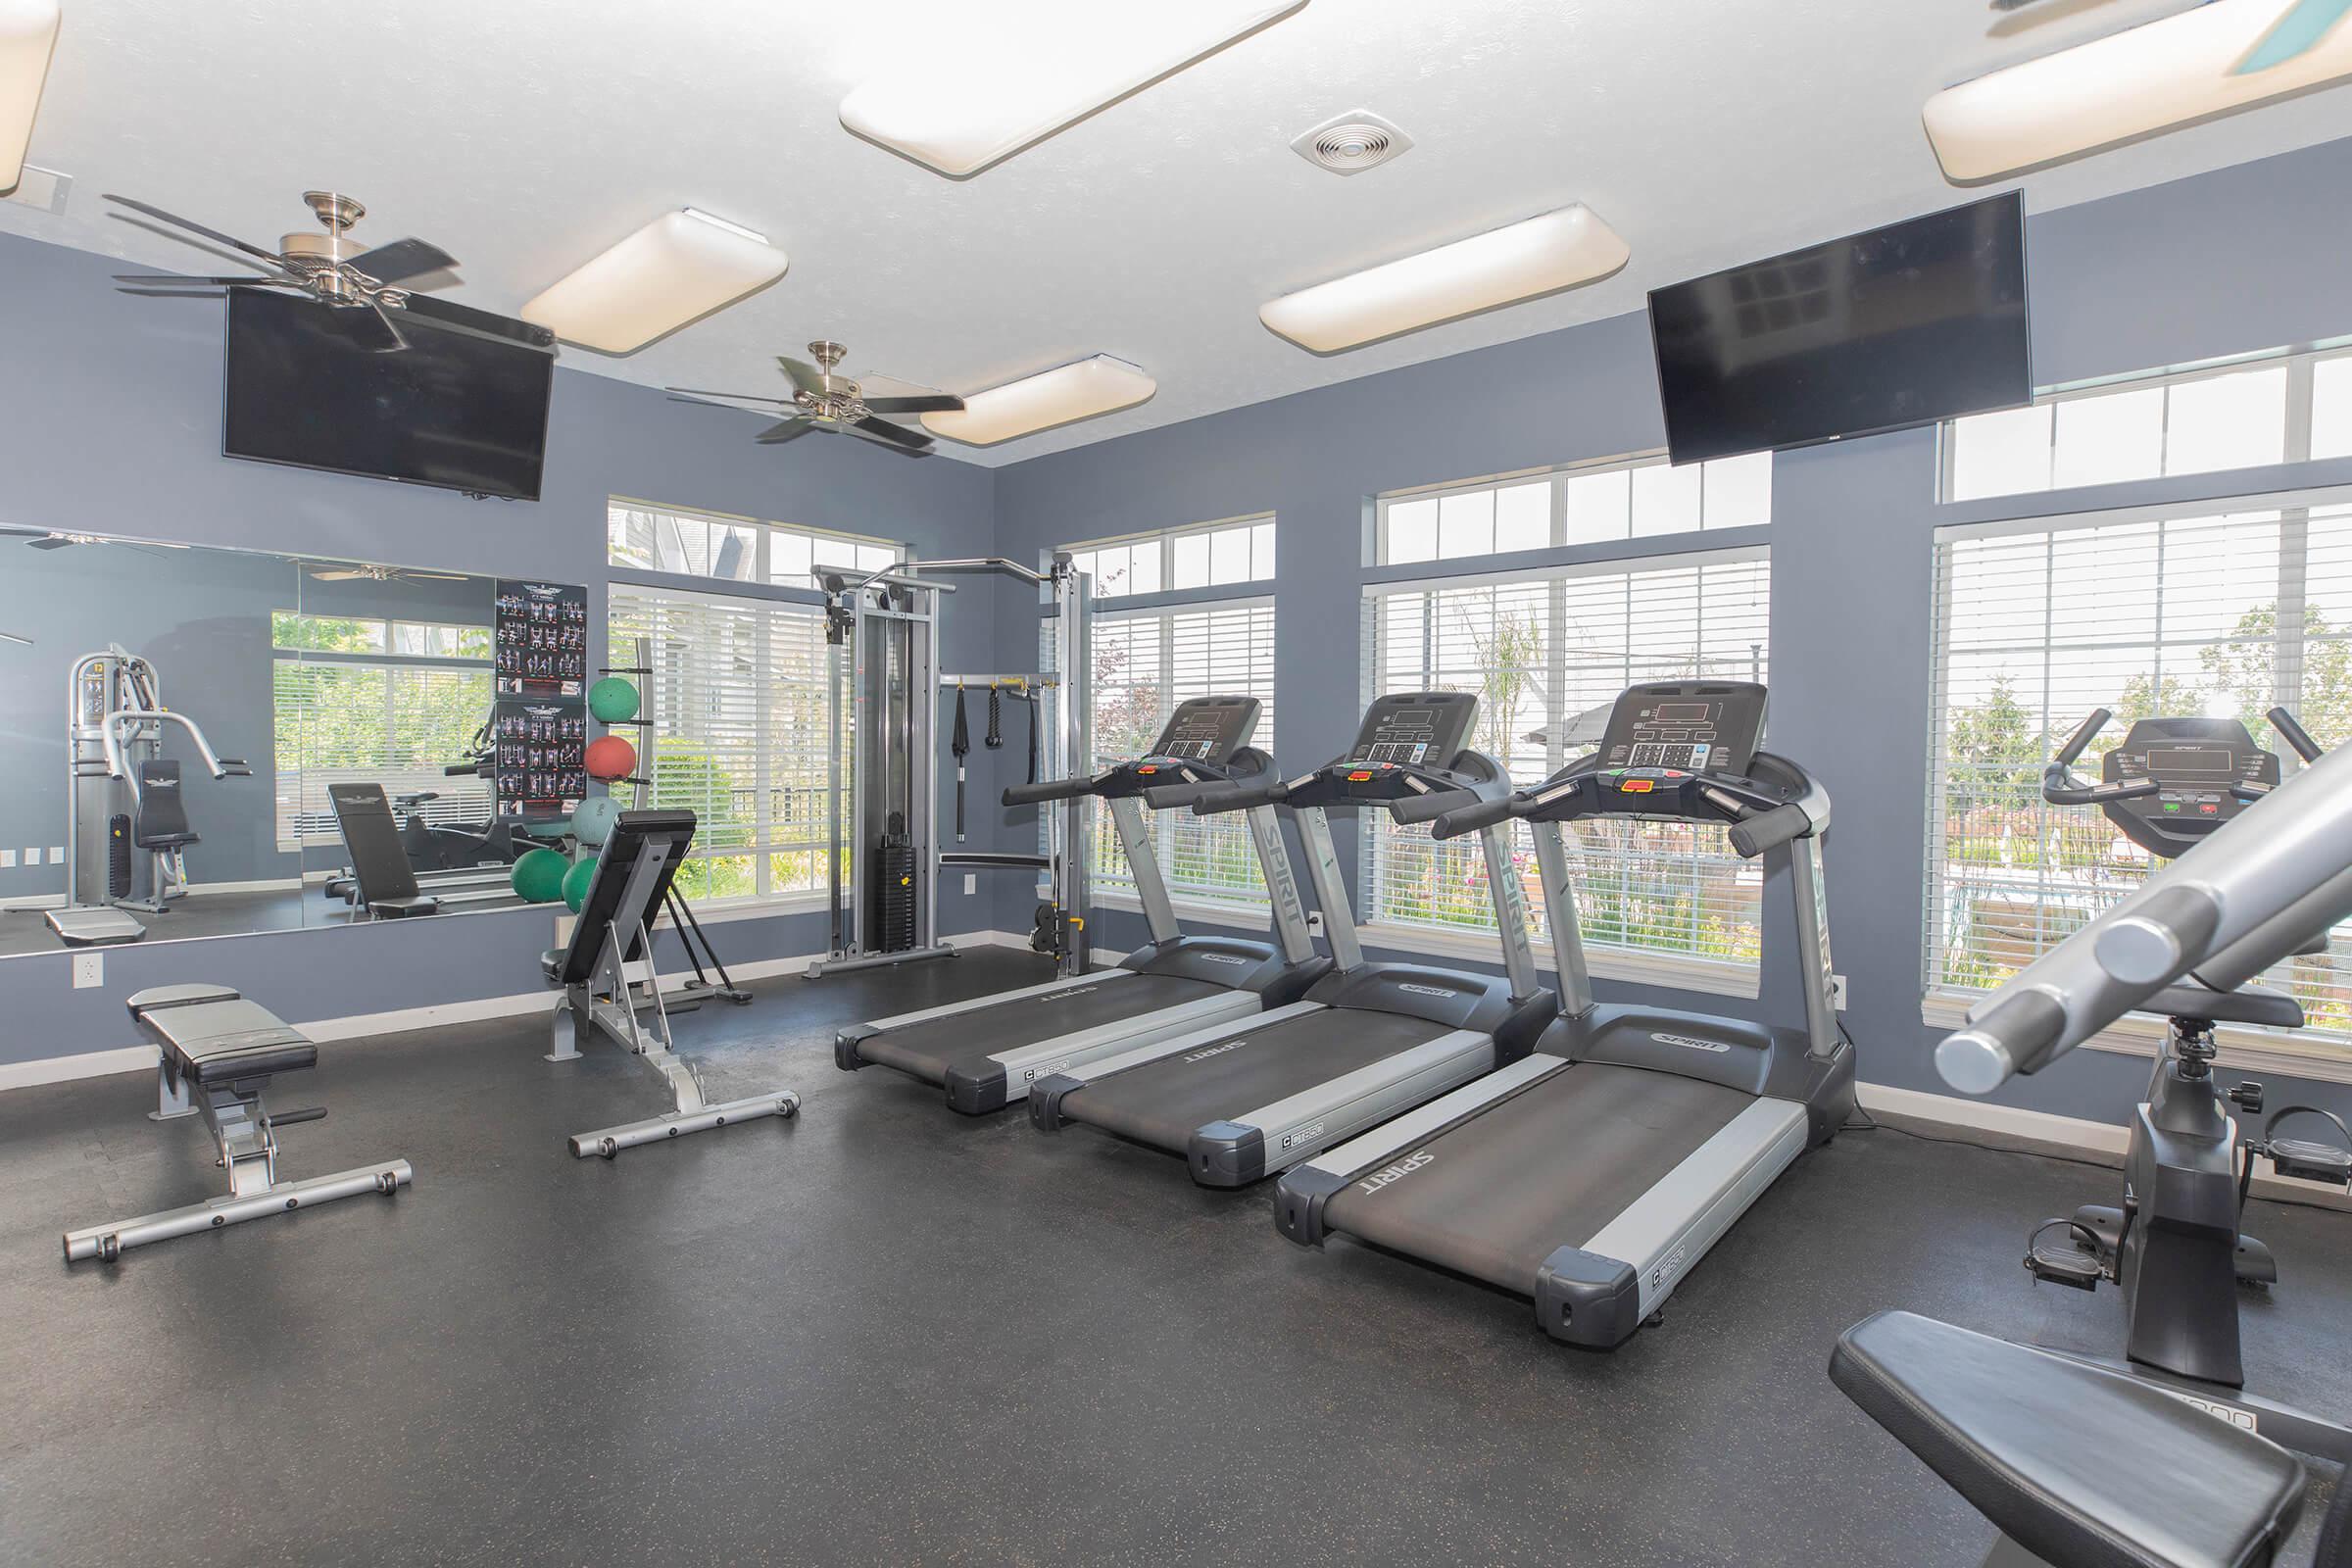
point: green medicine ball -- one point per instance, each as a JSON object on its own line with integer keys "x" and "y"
{"x": 576, "y": 883}
{"x": 612, "y": 700}
{"x": 538, "y": 876}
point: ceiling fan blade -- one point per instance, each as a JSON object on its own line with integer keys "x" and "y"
{"x": 345, "y": 576}
{"x": 369, "y": 326}
{"x": 938, "y": 403}
{"x": 403, "y": 258}
{"x": 435, "y": 577}
{"x": 740, "y": 396}
{"x": 51, "y": 542}
{"x": 482, "y": 323}
{"x": 174, "y": 280}
{"x": 194, "y": 228}
{"x": 775, "y": 435}
{"x": 883, "y": 434}
{"x": 2303, "y": 29}
{"x": 804, "y": 376}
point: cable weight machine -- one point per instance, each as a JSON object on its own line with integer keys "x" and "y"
{"x": 883, "y": 870}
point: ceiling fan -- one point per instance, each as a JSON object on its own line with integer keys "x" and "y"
{"x": 827, "y": 402}
{"x": 364, "y": 286}
{"x": 2302, "y": 26}
{"x": 61, "y": 539}
{"x": 342, "y": 571}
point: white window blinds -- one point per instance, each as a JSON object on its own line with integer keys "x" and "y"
{"x": 2214, "y": 610}
{"x": 1146, "y": 662}
{"x": 1548, "y": 654}
{"x": 369, "y": 719}
{"x": 740, "y": 696}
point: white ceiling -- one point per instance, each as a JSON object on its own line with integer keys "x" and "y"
{"x": 525, "y": 136}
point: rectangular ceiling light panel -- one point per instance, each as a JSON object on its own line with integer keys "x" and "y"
{"x": 681, "y": 265}
{"x": 1080, "y": 391}
{"x": 2161, "y": 74}
{"x": 27, "y": 33}
{"x": 1555, "y": 251}
{"x": 970, "y": 99}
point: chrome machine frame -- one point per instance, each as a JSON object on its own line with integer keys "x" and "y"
{"x": 115, "y": 715}
{"x": 892, "y": 669}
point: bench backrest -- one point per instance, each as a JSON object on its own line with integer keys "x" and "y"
{"x": 641, "y": 855}
{"x": 373, "y": 840}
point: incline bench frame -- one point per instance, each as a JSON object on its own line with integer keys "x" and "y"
{"x": 614, "y": 929}
{"x": 218, "y": 1051}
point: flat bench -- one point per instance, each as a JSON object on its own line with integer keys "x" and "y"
{"x": 216, "y": 1051}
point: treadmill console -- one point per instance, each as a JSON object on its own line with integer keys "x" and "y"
{"x": 1685, "y": 727}
{"x": 2206, "y": 771}
{"x": 1414, "y": 729}
{"x": 1208, "y": 730}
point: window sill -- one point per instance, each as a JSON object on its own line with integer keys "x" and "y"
{"x": 1672, "y": 971}
{"x": 1202, "y": 911}
{"x": 2296, "y": 1055}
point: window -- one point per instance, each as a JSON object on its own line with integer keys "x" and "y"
{"x": 741, "y": 700}
{"x": 384, "y": 702}
{"x": 1590, "y": 504}
{"x": 2240, "y": 417}
{"x": 1547, "y": 653}
{"x": 2196, "y": 608}
{"x": 1217, "y": 555}
{"x": 693, "y": 544}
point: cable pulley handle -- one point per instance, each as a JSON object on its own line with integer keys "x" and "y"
{"x": 1436, "y": 804}
{"x": 2294, "y": 734}
{"x": 1479, "y": 815}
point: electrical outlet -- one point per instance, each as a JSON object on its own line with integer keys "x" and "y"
{"x": 1314, "y": 923}
{"x": 971, "y": 882}
{"x": 89, "y": 969}
{"x": 1838, "y": 991}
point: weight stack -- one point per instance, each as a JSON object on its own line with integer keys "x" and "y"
{"x": 896, "y": 905}
{"x": 117, "y": 856}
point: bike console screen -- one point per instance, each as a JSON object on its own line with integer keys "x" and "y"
{"x": 1208, "y": 730}
{"x": 1685, "y": 727}
{"x": 2205, "y": 769}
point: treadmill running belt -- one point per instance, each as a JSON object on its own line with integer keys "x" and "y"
{"x": 930, "y": 1049}
{"x": 1164, "y": 1103}
{"x": 1544, "y": 1169}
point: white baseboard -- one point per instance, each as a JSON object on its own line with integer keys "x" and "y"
{"x": 359, "y": 1026}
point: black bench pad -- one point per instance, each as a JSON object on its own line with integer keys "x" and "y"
{"x": 2078, "y": 1466}
{"x": 212, "y": 1035}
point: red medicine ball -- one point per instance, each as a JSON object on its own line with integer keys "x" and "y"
{"x": 610, "y": 757}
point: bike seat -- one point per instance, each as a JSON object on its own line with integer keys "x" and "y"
{"x": 2077, "y": 1464}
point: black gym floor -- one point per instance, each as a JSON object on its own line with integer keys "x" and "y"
{"x": 885, "y": 1333}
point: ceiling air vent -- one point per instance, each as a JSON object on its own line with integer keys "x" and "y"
{"x": 1352, "y": 142}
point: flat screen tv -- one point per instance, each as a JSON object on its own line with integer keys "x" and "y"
{"x": 453, "y": 409}
{"x": 1903, "y": 325}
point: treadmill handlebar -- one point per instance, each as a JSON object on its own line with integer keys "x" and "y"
{"x": 1219, "y": 797}
{"x": 1052, "y": 789}
{"x": 1436, "y": 804}
{"x": 1479, "y": 815}
{"x": 1753, "y": 835}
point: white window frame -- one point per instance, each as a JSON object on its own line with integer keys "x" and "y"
{"x": 2306, "y": 1053}
{"x": 1166, "y": 539}
{"x": 1677, "y": 970}
{"x": 1557, "y": 477}
{"x": 2301, "y": 375}
{"x": 465, "y": 801}
{"x": 766, "y": 539}
{"x": 763, "y": 898}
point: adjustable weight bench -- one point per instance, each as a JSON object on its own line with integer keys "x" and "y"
{"x": 219, "y": 1054}
{"x": 614, "y": 929}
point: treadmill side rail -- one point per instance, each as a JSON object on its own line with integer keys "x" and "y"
{"x": 1599, "y": 1293}
{"x": 992, "y": 1000}
{"x": 1278, "y": 1136}
{"x": 1046, "y": 1092}
{"x": 1013, "y": 1073}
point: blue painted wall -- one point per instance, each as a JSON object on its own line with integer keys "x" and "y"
{"x": 2243, "y": 258}
{"x": 110, "y": 422}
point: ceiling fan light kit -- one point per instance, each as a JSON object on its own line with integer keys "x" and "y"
{"x": 1552, "y": 251}
{"x": 969, "y": 99}
{"x": 681, "y": 265}
{"x": 1060, "y": 396}
{"x": 28, "y": 34}
{"x": 2171, "y": 72}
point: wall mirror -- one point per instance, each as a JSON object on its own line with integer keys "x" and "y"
{"x": 341, "y": 741}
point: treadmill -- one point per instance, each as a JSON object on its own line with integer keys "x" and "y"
{"x": 1241, "y": 1102}
{"x": 1592, "y": 1175}
{"x": 987, "y": 1052}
